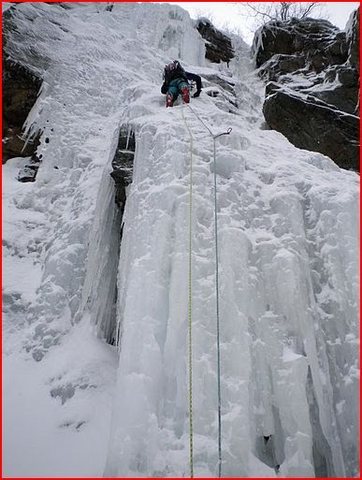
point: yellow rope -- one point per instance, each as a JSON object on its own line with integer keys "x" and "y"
{"x": 191, "y": 446}
{"x": 214, "y": 137}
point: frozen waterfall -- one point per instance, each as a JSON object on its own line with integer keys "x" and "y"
{"x": 288, "y": 271}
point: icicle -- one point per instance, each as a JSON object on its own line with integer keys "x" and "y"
{"x": 31, "y": 127}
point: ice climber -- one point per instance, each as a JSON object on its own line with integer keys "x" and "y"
{"x": 176, "y": 81}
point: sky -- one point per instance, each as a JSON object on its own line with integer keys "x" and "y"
{"x": 229, "y": 14}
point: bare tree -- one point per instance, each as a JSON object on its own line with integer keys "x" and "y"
{"x": 265, "y": 12}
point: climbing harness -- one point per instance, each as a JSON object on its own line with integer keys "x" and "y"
{"x": 214, "y": 137}
{"x": 191, "y": 447}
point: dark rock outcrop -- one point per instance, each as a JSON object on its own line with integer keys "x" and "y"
{"x": 29, "y": 171}
{"x": 218, "y": 45}
{"x": 352, "y": 33}
{"x": 318, "y": 41}
{"x": 122, "y": 164}
{"x": 326, "y": 130}
{"x": 20, "y": 91}
{"x": 21, "y": 86}
{"x": 313, "y": 92}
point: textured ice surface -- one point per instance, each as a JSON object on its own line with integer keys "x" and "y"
{"x": 288, "y": 288}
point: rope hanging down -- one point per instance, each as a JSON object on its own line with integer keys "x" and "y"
{"x": 214, "y": 137}
{"x": 191, "y": 446}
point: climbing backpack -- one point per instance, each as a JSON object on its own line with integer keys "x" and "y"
{"x": 173, "y": 70}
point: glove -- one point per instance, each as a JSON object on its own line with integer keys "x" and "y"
{"x": 196, "y": 94}
{"x": 164, "y": 89}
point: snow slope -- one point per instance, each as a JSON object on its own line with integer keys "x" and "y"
{"x": 288, "y": 272}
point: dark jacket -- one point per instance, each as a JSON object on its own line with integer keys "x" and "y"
{"x": 195, "y": 78}
{"x": 184, "y": 75}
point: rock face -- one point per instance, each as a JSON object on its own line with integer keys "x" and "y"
{"x": 218, "y": 46}
{"x": 317, "y": 41}
{"x": 122, "y": 164}
{"x": 20, "y": 91}
{"x": 29, "y": 171}
{"x": 326, "y": 129}
{"x": 352, "y": 34}
{"x": 312, "y": 72}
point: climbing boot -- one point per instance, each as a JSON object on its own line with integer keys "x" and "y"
{"x": 185, "y": 95}
{"x": 169, "y": 100}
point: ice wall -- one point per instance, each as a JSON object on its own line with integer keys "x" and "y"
{"x": 88, "y": 82}
{"x": 288, "y": 243}
{"x": 288, "y": 322}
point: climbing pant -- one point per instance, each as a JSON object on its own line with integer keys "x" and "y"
{"x": 176, "y": 86}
